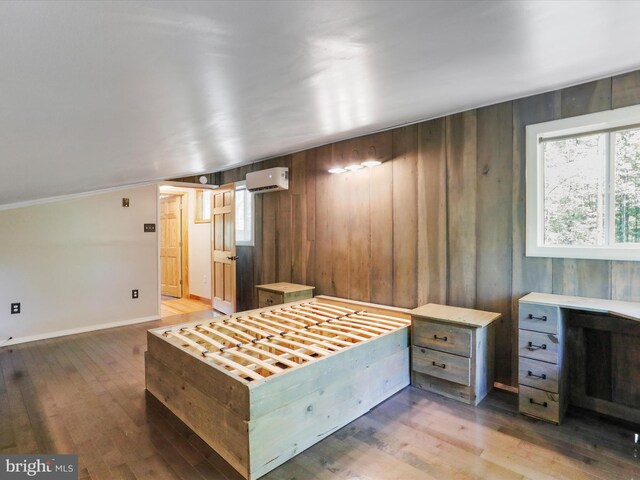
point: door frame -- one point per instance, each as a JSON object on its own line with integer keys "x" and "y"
{"x": 184, "y": 239}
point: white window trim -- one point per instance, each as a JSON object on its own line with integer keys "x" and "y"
{"x": 535, "y": 247}
{"x": 247, "y": 243}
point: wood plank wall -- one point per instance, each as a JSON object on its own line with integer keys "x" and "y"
{"x": 442, "y": 220}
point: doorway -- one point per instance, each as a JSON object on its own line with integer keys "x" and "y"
{"x": 184, "y": 258}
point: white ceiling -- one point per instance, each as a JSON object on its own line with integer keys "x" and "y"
{"x": 99, "y": 94}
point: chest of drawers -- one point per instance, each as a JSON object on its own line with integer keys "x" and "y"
{"x": 542, "y": 365}
{"x": 452, "y": 351}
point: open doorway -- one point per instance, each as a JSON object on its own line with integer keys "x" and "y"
{"x": 185, "y": 250}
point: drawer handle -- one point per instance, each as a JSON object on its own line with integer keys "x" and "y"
{"x": 543, "y": 404}
{"x": 542, "y": 318}
{"x": 533, "y": 347}
{"x": 530, "y": 374}
{"x": 436, "y": 337}
{"x": 440, "y": 365}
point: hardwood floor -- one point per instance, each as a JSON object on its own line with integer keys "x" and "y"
{"x": 176, "y": 306}
{"x": 85, "y": 394}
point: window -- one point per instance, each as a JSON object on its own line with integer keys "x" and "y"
{"x": 244, "y": 215}
{"x": 203, "y": 206}
{"x": 583, "y": 186}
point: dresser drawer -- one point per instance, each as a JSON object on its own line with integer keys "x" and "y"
{"x": 538, "y": 346}
{"x": 542, "y": 375}
{"x": 539, "y": 318}
{"x": 539, "y": 404}
{"x": 266, "y": 299}
{"x": 446, "y": 366}
{"x": 442, "y": 337}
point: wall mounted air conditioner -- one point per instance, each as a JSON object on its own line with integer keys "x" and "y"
{"x": 270, "y": 180}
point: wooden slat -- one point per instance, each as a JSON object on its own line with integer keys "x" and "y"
{"x": 217, "y": 357}
{"x": 381, "y": 221}
{"x": 405, "y": 216}
{"x": 432, "y": 212}
{"x": 359, "y": 238}
{"x": 461, "y": 208}
{"x": 494, "y": 227}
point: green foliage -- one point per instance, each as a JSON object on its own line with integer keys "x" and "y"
{"x": 575, "y": 199}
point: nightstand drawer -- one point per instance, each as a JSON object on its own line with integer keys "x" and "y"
{"x": 266, "y": 299}
{"x": 538, "y": 346}
{"x": 446, "y": 366}
{"x": 539, "y": 404}
{"x": 542, "y": 375}
{"x": 442, "y": 337}
{"x": 539, "y": 318}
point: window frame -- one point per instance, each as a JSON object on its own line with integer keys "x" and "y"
{"x": 198, "y": 218}
{"x": 600, "y": 122}
{"x": 246, "y": 243}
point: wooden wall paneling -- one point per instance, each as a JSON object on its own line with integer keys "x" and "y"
{"x": 528, "y": 274}
{"x": 587, "y": 278}
{"x": 381, "y": 222}
{"x": 494, "y": 227}
{"x": 405, "y": 216}
{"x": 625, "y": 90}
{"x": 311, "y": 166}
{"x": 339, "y": 186}
{"x": 284, "y": 234}
{"x": 256, "y": 250}
{"x": 359, "y": 222}
{"x": 586, "y": 98}
{"x": 625, "y": 276}
{"x": 432, "y": 212}
{"x": 323, "y": 201}
{"x": 461, "y": 209}
{"x": 625, "y": 281}
{"x": 245, "y": 283}
{"x": 269, "y": 238}
{"x": 300, "y": 245}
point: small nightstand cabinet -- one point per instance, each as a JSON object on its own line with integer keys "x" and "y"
{"x": 278, "y": 293}
{"x": 452, "y": 351}
{"x": 542, "y": 367}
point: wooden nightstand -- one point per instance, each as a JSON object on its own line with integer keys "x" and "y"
{"x": 277, "y": 293}
{"x": 452, "y": 351}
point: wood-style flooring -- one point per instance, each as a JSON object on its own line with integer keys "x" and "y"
{"x": 85, "y": 394}
{"x": 170, "y": 306}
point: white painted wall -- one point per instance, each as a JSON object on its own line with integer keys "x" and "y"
{"x": 73, "y": 263}
{"x": 199, "y": 247}
{"x": 199, "y": 253}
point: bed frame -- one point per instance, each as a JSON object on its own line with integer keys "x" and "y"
{"x": 262, "y": 386}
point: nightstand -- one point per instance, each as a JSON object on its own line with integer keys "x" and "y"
{"x": 277, "y": 293}
{"x": 452, "y": 351}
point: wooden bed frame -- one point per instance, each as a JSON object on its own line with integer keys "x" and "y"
{"x": 262, "y": 386}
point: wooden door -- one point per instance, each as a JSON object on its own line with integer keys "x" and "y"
{"x": 171, "y": 245}
{"x": 223, "y": 257}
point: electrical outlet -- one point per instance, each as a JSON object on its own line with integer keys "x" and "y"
{"x": 15, "y": 308}
{"x": 149, "y": 227}
{"x": 134, "y": 293}
{"x": 125, "y": 202}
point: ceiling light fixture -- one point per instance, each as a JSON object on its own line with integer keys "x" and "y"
{"x": 337, "y": 170}
{"x": 371, "y": 163}
{"x": 353, "y": 167}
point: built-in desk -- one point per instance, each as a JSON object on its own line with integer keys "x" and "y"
{"x": 582, "y": 351}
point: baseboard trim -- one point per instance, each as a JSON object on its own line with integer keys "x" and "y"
{"x": 74, "y": 331}
{"x": 197, "y": 297}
